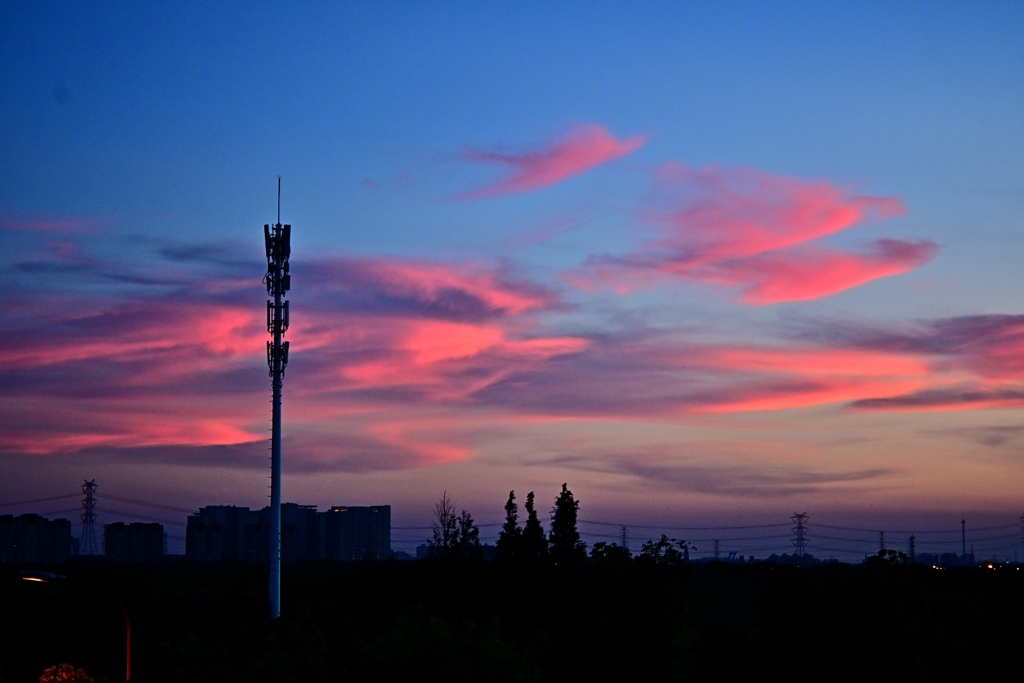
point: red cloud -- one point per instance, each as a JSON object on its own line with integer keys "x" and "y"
{"x": 582, "y": 149}
{"x": 749, "y": 230}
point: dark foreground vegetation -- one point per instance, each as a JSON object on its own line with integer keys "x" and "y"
{"x": 461, "y": 619}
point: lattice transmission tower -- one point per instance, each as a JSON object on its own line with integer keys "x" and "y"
{"x": 799, "y": 520}
{"x": 89, "y": 545}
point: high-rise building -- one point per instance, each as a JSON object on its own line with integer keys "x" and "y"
{"x": 33, "y": 538}
{"x": 217, "y": 532}
{"x": 357, "y": 533}
{"x": 135, "y": 542}
{"x": 301, "y": 534}
{"x": 224, "y": 532}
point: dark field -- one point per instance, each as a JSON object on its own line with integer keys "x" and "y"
{"x": 465, "y": 620}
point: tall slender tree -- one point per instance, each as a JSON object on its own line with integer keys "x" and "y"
{"x": 511, "y": 536}
{"x": 534, "y": 545}
{"x": 566, "y": 546}
{"x": 446, "y": 525}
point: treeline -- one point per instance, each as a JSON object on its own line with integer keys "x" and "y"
{"x": 548, "y": 610}
{"x": 468, "y": 621}
{"x": 456, "y": 535}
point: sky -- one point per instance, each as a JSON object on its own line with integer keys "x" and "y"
{"x": 710, "y": 264}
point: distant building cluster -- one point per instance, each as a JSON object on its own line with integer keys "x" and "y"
{"x": 135, "y": 542}
{"x": 227, "y": 532}
{"x": 33, "y": 538}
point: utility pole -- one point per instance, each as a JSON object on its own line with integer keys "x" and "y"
{"x": 277, "y": 239}
{"x": 881, "y": 541}
{"x": 625, "y": 539}
{"x": 913, "y": 551}
{"x": 716, "y": 550}
{"x": 89, "y": 545}
{"x": 799, "y": 520}
{"x": 963, "y": 537}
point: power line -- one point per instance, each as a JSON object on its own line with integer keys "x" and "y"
{"x": 152, "y": 505}
{"x": 975, "y": 540}
{"x": 684, "y": 528}
{"x": 59, "y": 512}
{"x": 40, "y": 500}
{"x": 135, "y": 515}
{"x": 904, "y": 531}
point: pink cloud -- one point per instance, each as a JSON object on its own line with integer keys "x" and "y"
{"x": 808, "y": 273}
{"x": 722, "y": 213}
{"x": 370, "y": 335}
{"x": 419, "y": 436}
{"x": 399, "y": 363}
{"x": 583, "y": 148}
{"x": 756, "y": 233}
{"x": 975, "y": 362}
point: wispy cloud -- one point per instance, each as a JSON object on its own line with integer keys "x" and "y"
{"x": 755, "y": 233}
{"x": 658, "y": 467}
{"x": 63, "y": 226}
{"x": 184, "y": 367}
{"x": 974, "y": 361}
{"x": 583, "y": 148}
{"x": 395, "y": 363}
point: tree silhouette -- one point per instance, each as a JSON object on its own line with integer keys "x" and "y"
{"x": 454, "y": 535}
{"x": 667, "y": 550}
{"x": 534, "y": 546}
{"x": 511, "y": 536}
{"x": 468, "y": 541}
{"x": 610, "y": 553}
{"x": 445, "y": 525}
{"x": 566, "y": 546}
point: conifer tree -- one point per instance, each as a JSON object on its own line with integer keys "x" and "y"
{"x": 534, "y": 546}
{"x": 468, "y": 543}
{"x": 511, "y": 535}
{"x": 566, "y": 546}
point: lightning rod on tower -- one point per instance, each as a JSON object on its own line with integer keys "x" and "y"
{"x": 277, "y": 238}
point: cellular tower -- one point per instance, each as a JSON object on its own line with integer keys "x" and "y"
{"x": 278, "y": 242}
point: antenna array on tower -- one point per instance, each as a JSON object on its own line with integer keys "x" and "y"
{"x": 277, "y": 239}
